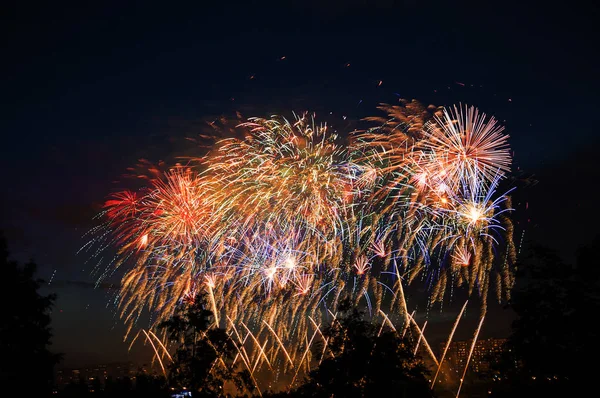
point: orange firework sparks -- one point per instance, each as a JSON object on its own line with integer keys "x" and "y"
{"x": 278, "y": 226}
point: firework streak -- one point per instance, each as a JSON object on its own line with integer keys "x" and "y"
{"x": 280, "y": 225}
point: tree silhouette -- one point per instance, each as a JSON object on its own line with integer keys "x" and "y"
{"x": 25, "y": 361}
{"x": 551, "y": 338}
{"x": 362, "y": 361}
{"x": 203, "y": 362}
{"x": 150, "y": 386}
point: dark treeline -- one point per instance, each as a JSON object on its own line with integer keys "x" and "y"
{"x": 26, "y": 362}
{"x": 554, "y": 341}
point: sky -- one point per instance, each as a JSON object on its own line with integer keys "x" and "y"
{"x": 91, "y": 89}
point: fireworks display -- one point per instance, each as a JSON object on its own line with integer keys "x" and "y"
{"x": 281, "y": 224}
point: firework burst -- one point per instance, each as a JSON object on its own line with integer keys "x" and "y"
{"x": 279, "y": 225}
{"x": 463, "y": 144}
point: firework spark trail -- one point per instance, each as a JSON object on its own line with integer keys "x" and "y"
{"x": 211, "y": 295}
{"x": 258, "y": 361}
{"x": 241, "y": 350}
{"x": 165, "y": 351}
{"x": 425, "y": 343}
{"x": 280, "y": 343}
{"x": 248, "y": 367}
{"x": 304, "y": 356}
{"x": 420, "y": 337}
{"x": 262, "y": 351}
{"x": 470, "y": 353}
{"x": 327, "y": 340}
{"x": 156, "y": 354}
{"x": 242, "y": 354}
{"x": 317, "y": 328}
{"x": 408, "y": 325}
{"x": 382, "y": 324}
{"x": 448, "y": 342}
{"x": 402, "y": 298}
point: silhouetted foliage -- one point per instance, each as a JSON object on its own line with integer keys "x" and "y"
{"x": 25, "y": 360}
{"x": 203, "y": 362}
{"x": 552, "y": 338}
{"x": 149, "y": 386}
{"x": 363, "y": 361}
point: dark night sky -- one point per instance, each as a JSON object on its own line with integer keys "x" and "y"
{"x": 88, "y": 90}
